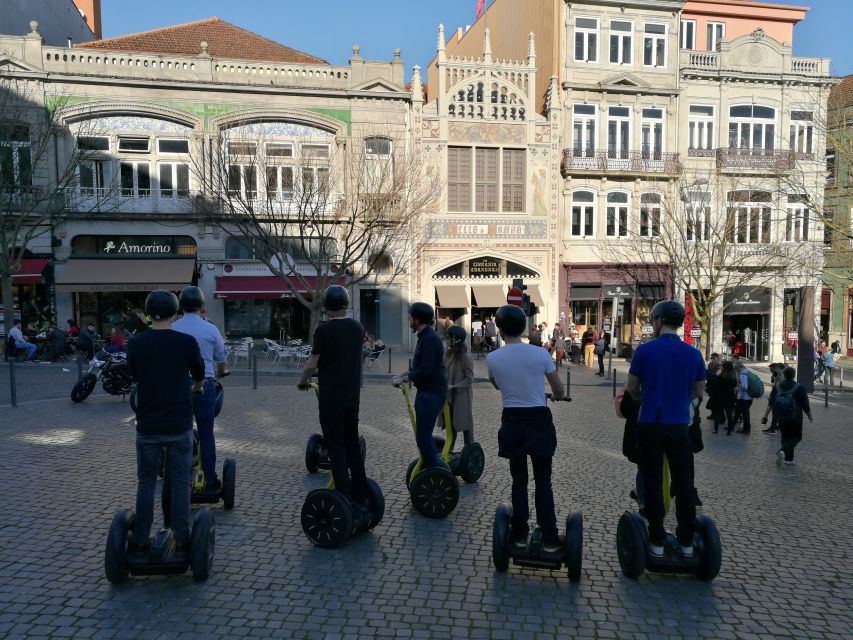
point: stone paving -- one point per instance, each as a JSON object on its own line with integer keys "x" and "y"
{"x": 66, "y": 468}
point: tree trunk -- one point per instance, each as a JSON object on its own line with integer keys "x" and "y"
{"x": 316, "y": 316}
{"x": 9, "y": 305}
{"x": 806, "y": 340}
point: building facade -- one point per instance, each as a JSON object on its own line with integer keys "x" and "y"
{"x": 59, "y": 22}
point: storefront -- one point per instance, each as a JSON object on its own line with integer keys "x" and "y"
{"x": 746, "y": 321}
{"x": 32, "y": 285}
{"x": 381, "y": 312}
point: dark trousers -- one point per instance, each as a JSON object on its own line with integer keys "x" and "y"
{"x": 179, "y": 458}
{"x": 792, "y": 433}
{"x": 427, "y": 408}
{"x": 653, "y": 441}
{"x": 543, "y": 497}
{"x": 204, "y": 408}
{"x": 600, "y": 357}
{"x": 724, "y": 415}
{"x": 340, "y": 432}
{"x": 743, "y": 411}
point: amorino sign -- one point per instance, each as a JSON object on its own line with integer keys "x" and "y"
{"x": 747, "y": 300}
{"x": 134, "y": 246}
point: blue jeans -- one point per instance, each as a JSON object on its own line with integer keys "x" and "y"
{"x": 28, "y": 347}
{"x": 427, "y": 407}
{"x": 179, "y": 458}
{"x": 204, "y": 408}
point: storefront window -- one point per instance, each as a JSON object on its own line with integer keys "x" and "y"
{"x": 105, "y": 310}
{"x": 259, "y": 318}
{"x": 585, "y": 312}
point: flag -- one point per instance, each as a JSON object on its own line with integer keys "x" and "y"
{"x": 480, "y": 4}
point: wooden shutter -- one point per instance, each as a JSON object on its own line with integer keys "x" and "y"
{"x": 486, "y": 180}
{"x": 513, "y": 180}
{"x": 459, "y": 179}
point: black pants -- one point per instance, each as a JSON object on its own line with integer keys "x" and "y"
{"x": 655, "y": 440}
{"x": 792, "y": 433}
{"x": 543, "y": 498}
{"x": 724, "y": 415}
{"x": 600, "y": 357}
{"x": 743, "y": 411}
{"x": 340, "y": 431}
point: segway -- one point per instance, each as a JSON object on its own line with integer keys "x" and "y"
{"x": 316, "y": 453}
{"x": 329, "y": 519}
{"x": 632, "y": 545}
{"x": 469, "y": 463}
{"x": 162, "y": 557}
{"x": 434, "y": 492}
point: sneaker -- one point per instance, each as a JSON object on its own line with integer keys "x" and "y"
{"x": 790, "y": 462}
{"x": 520, "y": 543}
{"x": 138, "y": 547}
{"x": 553, "y": 544}
{"x": 687, "y": 552}
{"x": 656, "y": 550}
{"x": 780, "y": 458}
{"x": 213, "y": 487}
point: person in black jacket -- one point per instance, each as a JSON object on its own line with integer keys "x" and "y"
{"x": 427, "y": 374}
{"x": 162, "y": 361}
{"x": 788, "y": 401}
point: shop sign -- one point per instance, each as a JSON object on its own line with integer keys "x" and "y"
{"x": 648, "y": 329}
{"x": 747, "y": 300}
{"x": 696, "y": 333}
{"x": 620, "y": 291}
{"x": 134, "y": 246}
{"x": 484, "y": 267}
{"x": 260, "y": 269}
{"x": 518, "y": 229}
{"x": 793, "y": 336}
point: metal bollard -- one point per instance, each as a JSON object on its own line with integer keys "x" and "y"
{"x": 410, "y": 368}
{"x": 79, "y": 368}
{"x": 614, "y": 381}
{"x": 568, "y": 383}
{"x": 826, "y": 391}
{"x": 12, "y": 382}
{"x": 389, "y": 359}
{"x": 254, "y": 371}
{"x": 841, "y": 378}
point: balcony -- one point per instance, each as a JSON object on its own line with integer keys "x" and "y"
{"x": 775, "y": 161}
{"x": 147, "y": 201}
{"x": 627, "y": 163}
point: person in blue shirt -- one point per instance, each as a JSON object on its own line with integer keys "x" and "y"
{"x": 212, "y": 349}
{"x": 427, "y": 374}
{"x": 666, "y": 374}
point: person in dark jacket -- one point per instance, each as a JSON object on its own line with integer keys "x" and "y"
{"x": 790, "y": 424}
{"x": 722, "y": 397}
{"x": 428, "y": 376}
{"x": 85, "y": 343}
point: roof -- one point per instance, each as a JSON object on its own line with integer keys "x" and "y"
{"x": 842, "y": 93}
{"x": 224, "y": 40}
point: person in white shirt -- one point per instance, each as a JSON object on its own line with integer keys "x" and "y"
{"x": 20, "y": 341}
{"x": 527, "y": 429}
{"x": 546, "y": 336}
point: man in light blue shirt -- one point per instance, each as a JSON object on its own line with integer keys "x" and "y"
{"x": 212, "y": 349}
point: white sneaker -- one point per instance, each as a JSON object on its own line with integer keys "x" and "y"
{"x": 655, "y": 550}
{"x": 687, "y": 552}
{"x": 790, "y": 462}
{"x": 780, "y": 458}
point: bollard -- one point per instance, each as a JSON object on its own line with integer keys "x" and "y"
{"x": 389, "y": 359}
{"x": 614, "y": 381}
{"x": 254, "y": 371}
{"x": 568, "y": 383}
{"x": 841, "y": 378}
{"x": 12, "y": 382}
{"x": 826, "y": 391}
{"x": 79, "y": 368}
{"x": 410, "y": 368}
{"x": 361, "y": 377}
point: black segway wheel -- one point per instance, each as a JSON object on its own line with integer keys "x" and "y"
{"x": 711, "y": 551}
{"x": 434, "y": 492}
{"x": 229, "y": 482}
{"x": 409, "y": 470}
{"x": 631, "y": 544}
{"x": 500, "y": 537}
{"x": 377, "y": 503}
{"x": 574, "y": 545}
{"x": 472, "y": 461}
{"x": 84, "y": 386}
{"x": 362, "y": 446}
{"x": 327, "y": 518}
{"x": 115, "y": 554}
{"x": 312, "y": 452}
{"x": 202, "y": 543}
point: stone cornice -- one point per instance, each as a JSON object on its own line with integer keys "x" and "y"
{"x": 661, "y": 5}
{"x": 85, "y": 110}
{"x": 308, "y": 118}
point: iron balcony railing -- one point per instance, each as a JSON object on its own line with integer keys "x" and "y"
{"x": 626, "y": 162}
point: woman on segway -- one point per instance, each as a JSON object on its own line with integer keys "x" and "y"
{"x": 459, "y": 371}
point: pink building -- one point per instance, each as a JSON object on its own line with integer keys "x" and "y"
{"x": 706, "y": 22}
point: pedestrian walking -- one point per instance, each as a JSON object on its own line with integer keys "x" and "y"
{"x": 788, "y": 402}
{"x": 588, "y": 345}
{"x": 776, "y": 370}
{"x": 490, "y": 333}
{"x": 535, "y": 337}
{"x": 722, "y": 397}
{"x": 601, "y": 347}
{"x": 744, "y": 400}
{"x": 829, "y": 366}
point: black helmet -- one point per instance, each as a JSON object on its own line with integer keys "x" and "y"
{"x": 422, "y": 312}
{"x": 192, "y": 299}
{"x": 456, "y": 335}
{"x": 511, "y": 320}
{"x": 161, "y": 305}
{"x": 335, "y": 298}
{"x": 670, "y": 312}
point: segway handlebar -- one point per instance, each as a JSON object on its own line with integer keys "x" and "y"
{"x": 550, "y": 396}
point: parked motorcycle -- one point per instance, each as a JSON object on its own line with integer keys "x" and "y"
{"x": 111, "y": 369}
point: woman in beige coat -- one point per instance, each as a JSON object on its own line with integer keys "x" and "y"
{"x": 459, "y": 367}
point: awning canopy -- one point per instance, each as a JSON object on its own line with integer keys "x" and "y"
{"x": 535, "y": 296}
{"x": 452, "y": 296}
{"x": 261, "y": 287}
{"x": 125, "y": 275}
{"x": 30, "y": 271}
{"x": 490, "y": 295}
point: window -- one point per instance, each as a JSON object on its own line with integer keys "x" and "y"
{"x": 93, "y": 143}
{"x": 802, "y": 131}
{"x": 752, "y": 127}
{"x": 652, "y": 133}
{"x": 585, "y": 312}
{"x": 172, "y": 146}
{"x": 174, "y": 180}
{"x": 650, "y": 213}
{"x": 583, "y": 219}
{"x": 513, "y": 178}
{"x": 315, "y": 151}
{"x": 688, "y": 34}
{"x": 586, "y": 39}
{"x": 618, "y": 132}
{"x": 135, "y": 179}
{"x": 654, "y": 45}
{"x": 698, "y": 218}
{"x": 748, "y": 217}
{"x": 315, "y": 182}
{"x": 827, "y": 227}
{"x": 486, "y": 180}
{"x": 279, "y": 182}
{"x": 93, "y": 177}
{"x": 378, "y": 165}
{"x": 127, "y": 144}
{"x": 700, "y": 127}
{"x": 239, "y": 249}
{"x": 496, "y": 175}
{"x": 830, "y": 165}
{"x": 617, "y": 214}
{"x": 716, "y": 32}
{"x": 279, "y": 150}
{"x": 242, "y": 149}
{"x": 583, "y": 130}
{"x": 621, "y": 41}
{"x": 459, "y": 167}
{"x": 243, "y": 181}
{"x": 16, "y": 169}
{"x": 797, "y": 221}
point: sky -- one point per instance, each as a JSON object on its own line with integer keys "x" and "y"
{"x": 329, "y": 28}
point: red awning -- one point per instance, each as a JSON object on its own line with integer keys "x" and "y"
{"x": 254, "y": 287}
{"x": 30, "y": 271}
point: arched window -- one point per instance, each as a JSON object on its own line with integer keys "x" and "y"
{"x": 650, "y": 215}
{"x": 617, "y": 214}
{"x": 752, "y": 127}
{"x": 583, "y": 214}
{"x": 380, "y": 263}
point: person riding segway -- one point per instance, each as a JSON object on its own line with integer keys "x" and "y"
{"x": 527, "y": 430}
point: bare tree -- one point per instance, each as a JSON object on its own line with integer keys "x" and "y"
{"x": 316, "y": 213}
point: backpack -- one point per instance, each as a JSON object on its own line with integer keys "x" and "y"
{"x": 785, "y": 405}
{"x": 754, "y": 386}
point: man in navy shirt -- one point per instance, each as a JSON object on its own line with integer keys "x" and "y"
{"x": 665, "y": 375}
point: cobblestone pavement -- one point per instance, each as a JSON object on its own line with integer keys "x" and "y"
{"x": 66, "y": 468}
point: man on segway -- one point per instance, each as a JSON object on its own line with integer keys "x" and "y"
{"x": 666, "y": 375}
{"x": 162, "y": 361}
{"x": 336, "y": 358}
{"x": 212, "y": 349}
{"x": 527, "y": 429}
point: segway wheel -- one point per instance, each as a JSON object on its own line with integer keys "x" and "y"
{"x": 574, "y": 545}
{"x": 377, "y": 503}
{"x": 362, "y": 446}
{"x": 712, "y": 554}
{"x": 81, "y": 390}
{"x": 132, "y": 399}
{"x": 115, "y": 554}
{"x": 202, "y": 543}
{"x": 472, "y": 461}
{"x": 327, "y": 518}
{"x": 434, "y": 492}
{"x": 229, "y": 482}
{"x": 312, "y": 452}
{"x": 409, "y": 470}
{"x": 631, "y": 542}
{"x": 500, "y": 537}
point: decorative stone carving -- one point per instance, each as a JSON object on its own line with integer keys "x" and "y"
{"x": 280, "y": 129}
{"x": 755, "y": 56}
{"x": 543, "y": 134}
{"x": 757, "y": 35}
{"x": 430, "y": 128}
{"x": 131, "y": 123}
{"x": 487, "y": 133}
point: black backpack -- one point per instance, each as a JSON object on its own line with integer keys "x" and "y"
{"x": 785, "y": 406}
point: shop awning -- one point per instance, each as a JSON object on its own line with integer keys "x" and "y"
{"x": 125, "y": 275}
{"x": 535, "y": 296}
{"x": 260, "y": 287}
{"x": 30, "y": 271}
{"x": 490, "y": 295}
{"x": 452, "y": 296}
